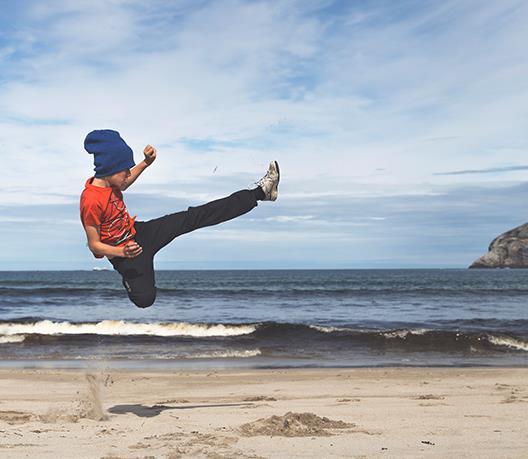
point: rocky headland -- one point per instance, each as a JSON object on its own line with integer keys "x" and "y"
{"x": 509, "y": 250}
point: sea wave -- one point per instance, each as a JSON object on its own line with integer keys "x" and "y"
{"x": 121, "y": 327}
{"x": 402, "y": 334}
{"x": 322, "y": 329}
{"x": 279, "y": 337}
{"x": 509, "y": 342}
{"x": 226, "y": 354}
{"x": 12, "y": 339}
{"x": 223, "y": 354}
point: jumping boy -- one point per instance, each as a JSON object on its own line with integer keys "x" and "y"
{"x": 131, "y": 245}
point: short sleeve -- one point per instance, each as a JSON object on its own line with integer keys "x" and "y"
{"x": 91, "y": 213}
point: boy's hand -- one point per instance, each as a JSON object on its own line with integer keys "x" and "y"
{"x": 150, "y": 154}
{"x": 132, "y": 249}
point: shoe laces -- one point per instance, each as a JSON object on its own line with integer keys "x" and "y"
{"x": 264, "y": 179}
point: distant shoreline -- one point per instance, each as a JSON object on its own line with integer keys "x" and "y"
{"x": 463, "y": 268}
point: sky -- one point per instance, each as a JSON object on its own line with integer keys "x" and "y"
{"x": 399, "y": 127}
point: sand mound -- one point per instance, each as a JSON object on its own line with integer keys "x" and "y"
{"x": 293, "y": 425}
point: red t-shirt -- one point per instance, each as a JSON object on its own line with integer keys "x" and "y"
{"x": 104, "y": 207}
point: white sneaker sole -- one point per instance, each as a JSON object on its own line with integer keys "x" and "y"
{"x": 274, "y": 191}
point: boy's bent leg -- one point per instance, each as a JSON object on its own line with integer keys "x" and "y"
{"x": 137, "y": 278}
{"x": 163, "y": 230}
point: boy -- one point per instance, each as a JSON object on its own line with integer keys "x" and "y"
{"x": 131, "y": 245}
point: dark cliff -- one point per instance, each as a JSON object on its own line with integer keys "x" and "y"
{"x": 509, "y": 250}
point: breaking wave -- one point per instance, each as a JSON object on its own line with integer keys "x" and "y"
{"x": 512, "y": 343}
{"x": 12, "y": 339}
{"x": 124, "y": 328}
{"x": 273, "y": 337}
{"x": 228, "y": 354}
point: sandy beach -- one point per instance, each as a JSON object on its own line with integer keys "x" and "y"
{"x": 359, "y": 413}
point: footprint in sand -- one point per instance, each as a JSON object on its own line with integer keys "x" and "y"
{"x": 512, "y": 398}
{"x": 429, "y": 397}
{"x": 260, "y": 398}
{"x": 16, "y": 417}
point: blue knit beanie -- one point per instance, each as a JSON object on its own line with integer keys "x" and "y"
{"x": 111, "y": 153}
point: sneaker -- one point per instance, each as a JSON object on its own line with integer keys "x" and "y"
{"x": 270, "y": 182}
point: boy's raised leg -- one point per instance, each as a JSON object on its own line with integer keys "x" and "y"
{"x": 160, "y": 231}
{"x": 163, "y": 230}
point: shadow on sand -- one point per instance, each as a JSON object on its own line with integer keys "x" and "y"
{"x": 151, "y": 411}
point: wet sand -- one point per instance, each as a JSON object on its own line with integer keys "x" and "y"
{"x": 353, "y": 413}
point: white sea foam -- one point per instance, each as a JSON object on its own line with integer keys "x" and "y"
{"x": 205, "y": 355}
{"x": 508, "y": 342}
{"x": 12, "y": 339}
{"x": 404, "y": 333}
{"x": 226, "y": 354}
{"x": 121, "y": 327}
{"x": 327, "y": 329}
{"x": 392, "y": 334}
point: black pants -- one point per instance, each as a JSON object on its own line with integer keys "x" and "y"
{"x": 152, "y": 235}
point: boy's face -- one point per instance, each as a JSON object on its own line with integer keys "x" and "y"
{"x": 119, "y": 179}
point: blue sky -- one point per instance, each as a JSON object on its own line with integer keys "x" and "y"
{"x": 400, "y": 127}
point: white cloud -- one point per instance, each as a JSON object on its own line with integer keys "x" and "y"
{"x": 280, "y": 237}
{"x": 289, "y": 218}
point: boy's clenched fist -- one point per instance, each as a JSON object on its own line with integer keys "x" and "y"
{"x": 150, "y": 154}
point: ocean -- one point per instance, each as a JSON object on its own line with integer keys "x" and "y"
{"x": 266, "y": 319}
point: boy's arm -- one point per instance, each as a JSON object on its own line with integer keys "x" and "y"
{"x": 130, "y": 250}
{"x": 135, "y": 172}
